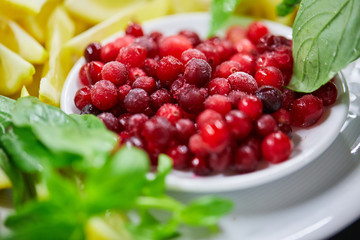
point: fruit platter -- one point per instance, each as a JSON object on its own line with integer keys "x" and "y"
{"x": 185, "y": 126}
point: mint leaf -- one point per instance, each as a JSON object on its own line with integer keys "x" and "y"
{"x": 221, "y": 10}
{"x": 156, "y": 186}
{"x": 326, "y": 38}
{"x": 7, "y": 105}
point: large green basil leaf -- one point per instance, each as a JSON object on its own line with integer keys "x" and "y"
{"x": 326, "y": 38}
{"x": 221, "y": 10}
{"x": 6, "y": 106}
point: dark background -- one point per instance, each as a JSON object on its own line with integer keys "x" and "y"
{"x": 350, "y": 233}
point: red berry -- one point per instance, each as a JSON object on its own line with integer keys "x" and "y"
{"x": 197, "y": 72}
{"x": 270, "y": 97}
{"x": 174, "y": 45}
{"x": 276, "y": 147}
{"x": 219, "y": 86}
{"x": 215, "y": 135}
{"x": 191, "y": 35}
{"x": 271, "y": 76}
{"x": 94, "y": 72}
{"x": 219, "y": 103}
{"x": 168, "y": 70}
{"x": 104, "y": 95}
{"x": 235, "y": 96}
{"x": 282, "y": 116}
{"x": 110, "y": 51}
{"x": 132, "y": 55}
{"x": 200, "y": 166}
{"x": 246, "y": 62}
{"x": 90, "y": 109}
{"x": 235, "y": 34}
{"x": 256, "y": 30}
{"x": 135, "y": 73}
{"x": 150, "y": 66}
{"x": 180, "y": 155}
{"x": 115, "y": 72}
{"x": 212, "y": 56}
{"x": 82, "y": 97}
{"x": 190, "y": 54}
{"x": 134, "y": 29}
{"x": 159, "y": 98}
{"x": 185, "y": 128}
{"x": 245, "y": 46}
{"x": 266, "y": 59}
{"x": 306, "y": 111}
{"x": 135, "y": 123}
{"x": 239, "y": 123}
{"x": 137, "y": 100}
{"x": 197, "y": 145}
{"x": 265, "y": 125}
{"x": 245, "y": 159}
{"x": 92, "y": 52}
{"x": 243, "y": 82}
{"x": 146, "y": 83}
{"x": 123, "y": 91}
{"x": 171, "y": 112}
{"x": 191, "y": 99}
{"x": 158, "y": 132}
{"x": 110, "y": 121}
{"x": 83, "y": 75}
{"x": 227, "y": 68}
{"x": 327, "y": 93}
{"x": 124, "y": 136}
{"x": 221, "y": 161}
{"x": 289, "y": 97}
{"x": 151, "y": 46}
{"x": 208, "y": 116}
{"x": 123, "y": 120}
{"x": 271, "y": 42}
{"x": 252, "y": 106}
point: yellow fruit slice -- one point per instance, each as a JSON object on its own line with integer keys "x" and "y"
{"x": 19, "y": 41}
{"x": 4, "y": 180}
{"x": 14, "y": 71}
{"x": 60, "y": 29}
{"x": 28, "y": 6}
{"x": 138, "y": 12}
{"x": 24, "y": 92}
{"x": 190, "y": 5}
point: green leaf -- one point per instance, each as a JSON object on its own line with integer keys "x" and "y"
{"x": 156, "y": 186}
{"x": 206, "y": 211}
{"x": 6, "y": 106}
{"x": 221, "y": 10}
{"x": 326, "y": 38}
{"x": 286, "y": 7}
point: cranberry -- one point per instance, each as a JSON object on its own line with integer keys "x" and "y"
{"x": 239, "y": 123}
{"x": 245, "y": 159}
{"x": 156, "y": 36}
{"x": 255, "y": 143}
{"x": 219, "y": 103}
{"x": 174, "y": 45}
{"x": 270, "y": 97}
{"x": 265, "y": 125}
{"x": 227, "y": 68}
{"x": 185, "y": 129}
{"x": 252, "y": 106}
{"x": 90, "y": 109}
{"x": 135, "y": 123}
{"x": 132, "y": 55}
{"x": 190, "y": 54}
{"x": 235, "y": 96}
{"x": 135, "y": 73}
{"x": 158, "y": 132}
{"x": 225, "y": 49}
{"x": 104, "y": 95}
{"x": 215, "y": 135}
{"x": 219, "y": 86}
{"x": 192, "y": 36}
{"x": 177, "y": 85}
{"x": 115, "y": 72}
{"x": 285, "y": 128}
{"x": 327, "y": 93}
{"x": 124, "y": 136}
{"x": 135, "y": 141}
{"x": 283, "y": 58}
{"x": 137, "y": 100}
{"x": 207, "y": 116}
{"x": 271, "y": 42}
{"x": 212, "y": 56}
{"x": 235, "y": 34}
{"x": 159, "y": 98}
{"x": 110, "y": 51}
{"x": 134, "y": 29}
{"x": 271, "y": 76}
{"x": 110, "y": 121}
{"x": 123, "y": 91}
{"x": 92, "y": 52}
{"x": 289, "y": 97}
{"x": 180, "y": 155}
{"x": 82, "y": 97}
{"x": 146, "y": 83}
{"x": 117, "y": 110}
{"x": 83, "y": 75}
{"x": 246, "y": 46}
{"x": 150, "y": 66}
{"x": 306, "y": 111}
{"x": 256, "y": 30}
{"x": 243, "y": 82}
{"x": 197, "y": 145}
{"x": 123, "y": 120}
{"x": 94, "y": 71}
{"x": 266, "y": 59}
{"x": 200, "y": 166}
{"x": 276, "y": 147}
{"x": 221, "y": 161}
{"x": 150, "y": 45}
{"x": 168, "y": 70}
{"x": 282, "y": 116}
{"x": 171, "y": 112}
{"x": 197, "y": 71}
{"x": 246, "y": 62}
{"x": 191, "y": 99}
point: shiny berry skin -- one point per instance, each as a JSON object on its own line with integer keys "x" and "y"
{"x": 271, "y": 76}
{"x": 146, "y": 83}
{"x": 123, "y": 90}
{"x": 246, "y": 62}
{"x": 135, "y": 73}
{"x": 265, "y": 125}
{"x": 215, "y": 135}
{"x": 174, "y": 45}
{"x": 150, "y": 66}
{"x": 197, "y": 72}
{"x": 235, "y": 34}
{"x": 197, "y": 145}
{"x": 256, "y": 30}
{"x": 90, "y": 109}
{"x": 246, "y": 46}
{"x": 137, "y": 100}
{"x": 306, "y": 111}
{"x": 134, "y": 29}
{"x": 245, "y": 159}
{"x": 156, "y": 36}
{"x": 227, "y": 68}
{"x": 282, "y": 116}
{"x": 133, "y": 55}
{"x": 225, "y": 49}
{"x": 276, "y": 147}
{"x": 266, "y": 59}
{"x": 221, "y": 161}
{"x": 115, "y": 72}
{"x": 104, "y": 95}
{"x": 110, "y": 121}
{"x": 159, "y": 98}
{"x": 82, "y": 97}
{"x": 219, "y": 86}
{"x": 123, "y": 120}
{"x": 289, "y": 97}
{"x": 180, "y": 155}
{"x": 212, "y": 56}
{"x": 110, "y": 51}
{"x": 242, "y": 81}
{"x": 94, "y": 72}
{"x": 192, "y": 36}
{"x": 235, "y": 96}
{"x": 135, "y": 123}
{"x": 270, "y": 97}
{"x": 199, "y": 166}
{"x": 83, "y": 75}
{"x": 92, "y": 52}
{"x": 239, "y": 123}
{"x": 271, "y": 42}
{"x": 135, "y": 141}
{"x": 151, "y": 46}
{"x": 185, "y": 128}
{"x": 191, "y": 99}
{"x": 207, "y": 116}
{"x": 171, "y": 112}
{"x": 168, "y": 70}
{"x": 158, "y": 132}
{"x": 252, "y": 106}
{"x": 190, "y": 54}
{"x": 219, "y": 103}
{"x": 327, "y": 93}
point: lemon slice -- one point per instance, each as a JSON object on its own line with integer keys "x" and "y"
{"x": 24, "y": 92}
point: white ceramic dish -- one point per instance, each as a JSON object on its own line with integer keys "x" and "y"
{"x": 308, "y": 143}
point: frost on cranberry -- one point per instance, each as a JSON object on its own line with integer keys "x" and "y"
{"x": 137, "y": 100}
{"x": 115, "y": 72}
{"x": 190, "y": 54}
{"x": 135, "y": 123}
{"x": 159, "y": 98}
{"x": 191, "y": 99}
{"x": 146, "y": 83}
{"x": 110, "y": 121}
{"x": 104, "y": 95}
{"x": 243, "y": 82}
{"x": 168, "y": 70}
{"x": 227, "y": 68}
{"x": 306, "y": 111}
{"x": 82, "y": 97}
{"x": 197, "y": 72}
{"x": 219, "y": 86}
{"x": 171, "y": 112}
{"x": 133, "y": 55}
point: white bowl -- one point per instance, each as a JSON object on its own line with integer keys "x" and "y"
{"x": 309, "y": 143}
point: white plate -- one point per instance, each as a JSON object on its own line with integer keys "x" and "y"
{"x": 308, "y": 143}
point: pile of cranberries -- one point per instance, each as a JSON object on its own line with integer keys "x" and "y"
{"x": 214, "y": 105}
